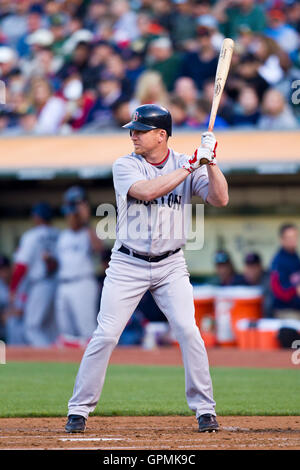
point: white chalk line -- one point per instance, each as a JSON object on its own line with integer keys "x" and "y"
{"x": 59, "y": 437}
{"x": 73, "y": 448}
{"x": 86, "y": 439}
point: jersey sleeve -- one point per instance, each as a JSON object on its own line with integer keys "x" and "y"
{"x": 26, "y": 249}
{"x": 126, "y": 172}
{"x": 200, "y": 182}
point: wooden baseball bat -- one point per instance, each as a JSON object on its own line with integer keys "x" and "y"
{"x": 221, "y": 76}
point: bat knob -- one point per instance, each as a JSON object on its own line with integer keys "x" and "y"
{"x": 203, "y": 161}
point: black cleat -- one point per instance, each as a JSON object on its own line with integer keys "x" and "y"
{"x": 208, "y": 423}
{"x": 76, "y": 423}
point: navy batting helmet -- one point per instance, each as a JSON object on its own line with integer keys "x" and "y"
{"x": 74, "y": 195}
{"x": 42, "y": 210}
{"x": 151, "y": 116}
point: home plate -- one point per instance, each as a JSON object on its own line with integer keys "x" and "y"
{"x": 86, "y": 439}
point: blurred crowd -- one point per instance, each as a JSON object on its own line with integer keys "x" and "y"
{"x": 85, "y": 65}
{"x": 50, "y": 291}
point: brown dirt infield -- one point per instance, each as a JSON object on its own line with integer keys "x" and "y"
{"x": 162, "y": 433}
{"x": 167, "y": 432}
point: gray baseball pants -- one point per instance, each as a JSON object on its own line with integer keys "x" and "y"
{"x": 127, "y": 279}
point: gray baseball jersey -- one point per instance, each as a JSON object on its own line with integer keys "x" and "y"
{"x": 160, "y": 225}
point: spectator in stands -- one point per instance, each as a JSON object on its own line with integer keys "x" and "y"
{"x": 200, "y": 117}
{"x": 164, "y": 60}
{"x": 162, "y": 13}
{"x": 201, "y": 8}
{"x": 285, "y": 35}
{"x": 148, "y": 30}
{"x": 109, "y": 92}
{"x": 121, "y": 112}
{"x": 37, "y": 41}
{"x": 185, "y": 89}
{"x": 209, "y": 21}
{"x": 293, "y": 14}
{"x": 27, "y": 122}
{"x": 34, "y": 20}
{"x": 58, "y": 28}
{"x": 97, "y": 11}
{"x": 134, "y": 66}
{"x": 231, "y": 14}
{"x": 225, "y": 272}
{"x": 50, "y": 109}
{"x": 14, "y": 22}
{"x": 149, "y": 89}
{"x": 244, "y": 40}
{"x": 125, "y": 27}
{"x": 178, "y": 110}
{"x": 74, "y": 25}
{"x": 201, "y": 64}
{"x": 247, "y": 109}
{"x": 16, "y": 97}
{"x": 182, "y": 24}
{"x": 275, "y": 63}
{"x": 45, "y": 65}
{"x": 276, "y": 113}
{"x": 226, "y": 106}
{"x": 4, "y": 121}
{"x": 285, "y": 273}
{"x": 8, "y": 62}
{"x": 78, "y": 104}
{"x": 247, "y": 73}
{"x": 115, "y": 66}
{"x": 78, "y": 63}
{"x": 55, "y": 40}
{"x": 99, "y": 55}
{"x": 81, "y": 36}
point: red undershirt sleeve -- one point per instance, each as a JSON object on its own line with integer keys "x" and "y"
{"x": 283, "y": 293}
{"x": 18, "y": 274}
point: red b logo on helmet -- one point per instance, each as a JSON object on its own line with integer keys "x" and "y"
{"x": 135, "y": 116}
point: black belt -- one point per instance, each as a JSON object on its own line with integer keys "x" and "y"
{"x": 150, "y": 259}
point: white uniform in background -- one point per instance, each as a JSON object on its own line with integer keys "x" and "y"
{"x": 39, "y": 319}
{"x": 77, "y": 297}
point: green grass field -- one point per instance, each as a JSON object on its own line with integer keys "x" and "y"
{"x": 43, "y": 389}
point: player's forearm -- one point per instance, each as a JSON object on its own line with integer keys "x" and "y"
{"x": 218, "y": 188}
{"x": 147, "y": 190}
{"x": 96, "y": 243}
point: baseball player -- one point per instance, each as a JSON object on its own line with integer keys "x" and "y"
{"x": 77, "y": 297}
{"x": 153, "y": 176}
{"x": 35, "y": 266}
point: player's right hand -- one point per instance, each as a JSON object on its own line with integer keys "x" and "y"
{"x": 202, "y": 156}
